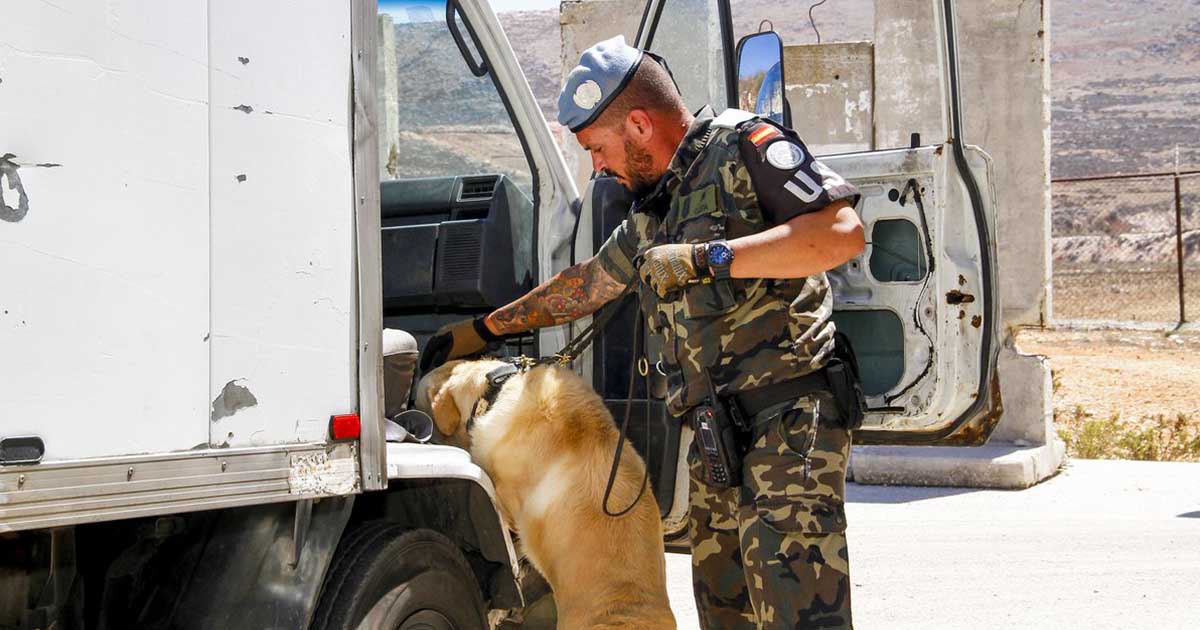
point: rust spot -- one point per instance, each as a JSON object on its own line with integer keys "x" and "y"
{"x": 976, "y": 432}
{"x": 245, "y": 109}
{"x": 939, "y": 149}
{"x": 962, "y": 314}
{"x": 977, "y": 321}
{"x": 962, "y": 282}
{"x": 241, "y": 178}
{"x": 958, "y": 297}
{"x": 244, "y": 60}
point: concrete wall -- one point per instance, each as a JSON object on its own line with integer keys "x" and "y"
{"x": 831, "y": 92}
{"x": 389, "y": 100}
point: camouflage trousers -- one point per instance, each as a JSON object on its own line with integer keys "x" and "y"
{"x": 772, "y": 553}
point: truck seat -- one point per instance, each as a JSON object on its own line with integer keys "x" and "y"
{"x": 399, "y": 368}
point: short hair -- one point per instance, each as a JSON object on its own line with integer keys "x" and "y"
{"x": 650, "y": 88}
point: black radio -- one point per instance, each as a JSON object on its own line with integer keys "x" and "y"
{"x": 717, "y": 442}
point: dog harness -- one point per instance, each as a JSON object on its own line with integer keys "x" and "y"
{"x": 495, "y": 382}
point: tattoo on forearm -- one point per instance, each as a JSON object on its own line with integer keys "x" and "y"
{"x": 573, "y": 293}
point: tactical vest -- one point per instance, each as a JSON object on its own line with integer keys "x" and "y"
{"x": 745, "y": 333}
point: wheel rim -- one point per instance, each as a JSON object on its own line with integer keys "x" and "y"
{"x": 426, "y": 620}
{"x": 385, "y": 615}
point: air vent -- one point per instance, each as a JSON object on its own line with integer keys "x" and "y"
{"x": 477, "y": 189}
{"x": 460, "y": 257}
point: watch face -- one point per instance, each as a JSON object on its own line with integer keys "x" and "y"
{"x": 719, "y": 255}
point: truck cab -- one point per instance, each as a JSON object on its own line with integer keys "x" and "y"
{"x": 232, "y": 259}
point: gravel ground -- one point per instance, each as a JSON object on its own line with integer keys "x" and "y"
{"x": 1131, "y": 373}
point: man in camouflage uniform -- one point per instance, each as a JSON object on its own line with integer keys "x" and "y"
{"x": 733, "y": 228}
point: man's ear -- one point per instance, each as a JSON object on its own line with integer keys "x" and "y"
{"x": 639, "y": 127}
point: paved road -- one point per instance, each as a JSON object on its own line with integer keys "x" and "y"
{"x": 1102, "y": 545}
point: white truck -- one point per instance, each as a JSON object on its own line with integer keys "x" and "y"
{"x": 210, "y": 214}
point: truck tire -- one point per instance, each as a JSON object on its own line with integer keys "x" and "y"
{"x": 386, "y": 578}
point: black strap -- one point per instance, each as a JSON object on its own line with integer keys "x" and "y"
{"x": 495, "y": 382}
{"x": 612, "y": 473}
{"x": 755, "y": 401}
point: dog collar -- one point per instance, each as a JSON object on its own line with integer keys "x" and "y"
{"x": 495, "y": 382}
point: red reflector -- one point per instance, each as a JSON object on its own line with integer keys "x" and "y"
{"x": 345, "y": 427}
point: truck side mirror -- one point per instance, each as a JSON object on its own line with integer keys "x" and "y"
{"x": 760, "y": 76}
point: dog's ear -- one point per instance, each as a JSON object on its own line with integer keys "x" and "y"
{"x": 446, "y": 414}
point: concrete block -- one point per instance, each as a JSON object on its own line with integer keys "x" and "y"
{"x": 909, "y": 97}
{"x": 999, "y": 466}
{"x": 1027, "y": 393}
{"x": 831, "y": 92}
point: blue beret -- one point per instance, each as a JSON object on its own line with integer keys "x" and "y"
{"x": 602, "y": 73}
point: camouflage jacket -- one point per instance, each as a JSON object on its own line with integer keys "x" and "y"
{"x": 746, "y": 333}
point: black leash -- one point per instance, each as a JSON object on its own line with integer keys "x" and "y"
{"x": 612, "y": 473}
{"x": 566, "y": 356}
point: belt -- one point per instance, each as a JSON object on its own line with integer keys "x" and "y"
{"x": 755, "y": 401}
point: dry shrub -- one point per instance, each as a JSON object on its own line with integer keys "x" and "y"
{"x": 1156, "y": 438}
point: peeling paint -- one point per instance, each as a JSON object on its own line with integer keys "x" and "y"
{"x": 241, "y": 177}
{"x": 48, "y": 165}
{"x": 232, "y": 399}
{"x": 8, "y": 172}
{"x": 245, "y": 109}
{"x": 244, "y": 60}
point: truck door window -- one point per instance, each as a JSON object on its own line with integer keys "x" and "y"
{"x": 440, "y": 118}
{"x": 688, "y": 35}
{"x": 896, "y": 251}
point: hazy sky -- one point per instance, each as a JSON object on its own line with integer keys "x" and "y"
{"x": 523, "y": 5}
{"x": 401, "y": 8}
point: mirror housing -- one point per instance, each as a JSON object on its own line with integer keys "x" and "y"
{"x": 760, "y": 79}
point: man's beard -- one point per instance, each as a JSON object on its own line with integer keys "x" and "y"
{"x": 639, "y": 170}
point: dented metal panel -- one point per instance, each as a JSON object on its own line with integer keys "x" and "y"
{"x": 177, "y": 225}
{"x": 104, "y": 241}
{"x": 282, "y": 216}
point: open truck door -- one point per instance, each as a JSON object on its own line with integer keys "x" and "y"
{"x": 919, "y": 304}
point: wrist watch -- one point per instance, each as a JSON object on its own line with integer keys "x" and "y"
{"x": 718, "y": 256}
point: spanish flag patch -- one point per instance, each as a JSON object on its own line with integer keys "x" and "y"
{"x": 763, "y": 133}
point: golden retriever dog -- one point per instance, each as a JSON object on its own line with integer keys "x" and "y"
{"x": 547, "y": 442}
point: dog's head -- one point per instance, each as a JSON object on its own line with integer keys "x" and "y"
{"x": 449, "y": 393}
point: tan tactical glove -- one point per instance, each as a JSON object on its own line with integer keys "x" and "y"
{"x": 455, "y": 341}
{"x": 668, "y": 268}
